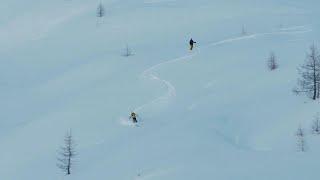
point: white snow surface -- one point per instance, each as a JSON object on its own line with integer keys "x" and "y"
{"x": 212, "y": 113}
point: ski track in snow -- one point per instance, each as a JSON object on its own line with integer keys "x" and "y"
{"x": 150, "y": 74}
{"x": 251, "y": 36}
{"x": 151, "y": 174}
{"x": 171, "y": 91}
{"x": 301, "y": 27}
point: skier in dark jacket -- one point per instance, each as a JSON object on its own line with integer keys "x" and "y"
{"x": 191, "y": 42}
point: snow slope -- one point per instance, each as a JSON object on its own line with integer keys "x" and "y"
{"x": 213, "y": 113}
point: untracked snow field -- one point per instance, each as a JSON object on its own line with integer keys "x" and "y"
{"x": 214, "y": 113}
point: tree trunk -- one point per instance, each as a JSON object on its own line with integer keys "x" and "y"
{"x": 318, "y": 90}
{"x": 314, "y": 81}
{"x": 69, "y": 164}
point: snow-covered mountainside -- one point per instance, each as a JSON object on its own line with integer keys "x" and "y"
{"x": 215, "y": 112}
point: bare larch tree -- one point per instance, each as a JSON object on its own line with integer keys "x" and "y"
{"x": 272, "y": 62}
{"x": 67, "y": 154}
{"x": 301, "y": 144}
{"x": 244, "y": 31}
{"x": 316, "y": 124}
{"x": 310, "y": 75}
{"x": 100, "y": 10}
{"x": 127, "y": 51}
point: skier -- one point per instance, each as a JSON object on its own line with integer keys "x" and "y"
{"x": 133, "y": 116}
{"x": 191, "y": 42}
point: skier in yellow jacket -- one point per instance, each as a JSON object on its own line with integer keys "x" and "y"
{"x": 134, "y": 116}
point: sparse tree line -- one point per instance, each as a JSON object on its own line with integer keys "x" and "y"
{"x": 309, "y": 84}
{"x": 67, "y": 152}
{"x": 309, "y": 80}
{"x": 101, "y": 11}
{"x": 301, "y": 133}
